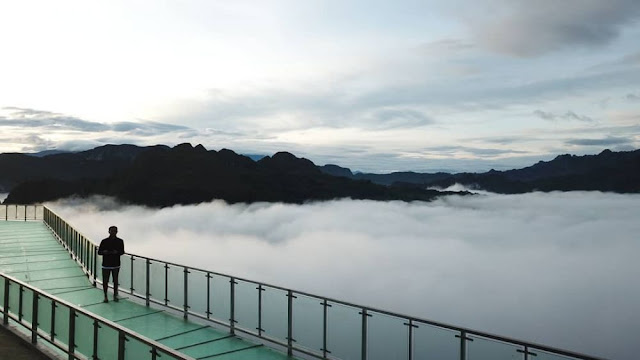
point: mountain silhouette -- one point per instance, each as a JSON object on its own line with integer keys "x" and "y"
{"x": 607, "y": 171}
{"x": 160, "y": 176}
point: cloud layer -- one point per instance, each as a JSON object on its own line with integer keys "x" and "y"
{"x": 552, "y": 268}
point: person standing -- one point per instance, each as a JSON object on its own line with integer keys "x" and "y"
{"x": 111, "y": 249}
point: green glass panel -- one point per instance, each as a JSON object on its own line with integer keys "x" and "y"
{"x": 99, "y": 267}
{"x": 344, "y": 332}
{"x": 44, "y": 314}
{"x": 485, "y": 349}
{"x": 432, "y": 342}
{"x": 62, "y": 323}
{"x": 27, "y": 305}
{"x": 175, "y": 291}
{"x": 246, "y": 305}
{"x": 140, "y": 276}
{"x": 156, "y": 281}
{"x": 124, "y": 277}
{"x": 197, "y": 292}
{"x": 220, "y": 293}
{"x": 3, "y": 212}
{"x": 11, "y": 212}
{"x": 107, "y": 343}
{"x": 308, "y": 320}
{"x": 387, "y": 337}
{"x": 135, "y": 349}
{"x": 84, "y": 335}
{"x": 14, "y": 297}
{"x": 275, "y": 310}
{"x": 2, "y": 282}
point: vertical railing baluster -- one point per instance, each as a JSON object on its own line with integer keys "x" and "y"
{"x": 131, "y": 275}
{"x": 290, "y": 339}
{"x": 259, "y": 328}
{"x": 232, "y": 307}
{"x": 53, "y": 320}
{"x": 72, "y": 333}
{"x": 186, "y": 292}
{"x": 34, "y": 318}
{"x": 463, "y": 344}
{"x": 95, "y": 339}
{"x": 208, "y": 295}
{"x": 365, "y": 315}
{"x": 147, "y": 276}
{"x": 411, "y": 327}
{"x": 325, "y": 326}
{"x": 121, "y": 345}
{"x": 166, "y": 283}
{"x": 95, "y": 266}
{"x": 20, "y": 292}
{"x": 5, "y": 305}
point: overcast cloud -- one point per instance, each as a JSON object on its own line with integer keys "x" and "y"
{"x": 557, "y": 268}
{"x": 546, "y": 25}
{"x": 391, "y": 82}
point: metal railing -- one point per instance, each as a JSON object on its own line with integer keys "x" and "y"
{"x": 298, "y": 322}
{"x": 72, "y": 330}
{"x": 21, "y": 212}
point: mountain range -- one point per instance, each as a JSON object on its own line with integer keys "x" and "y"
{"x": 607, "y": 171}
{"x": 161, "y": 176}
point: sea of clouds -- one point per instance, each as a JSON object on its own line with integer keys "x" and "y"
{"x": 559, "y": 269}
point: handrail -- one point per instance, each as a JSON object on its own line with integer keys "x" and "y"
{"x": 288, "y": 342}
{"x": 37, "y": 332}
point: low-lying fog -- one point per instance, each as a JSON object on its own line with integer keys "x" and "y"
{"x": 559, "y": 269}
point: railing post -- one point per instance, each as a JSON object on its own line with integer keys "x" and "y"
{"x": 186, "y": 292}
{"x": 72, "y": 333}
{"x": 259, "y": 328}
{"x": 325, "y": 327}
{"x": 232, "y": 307}
{"x": 411, "y": 326}
{"x": 95, "y": 339}
{"x": 20, "y": 292}
{"x": 53, "y": 320}
{"x": 131, "y": 277}
{"x": 5, "y": 320}
{"x": 95, "y": 266}
{"x": 290, "y": 339}
{"x": 463, "y": 344}
{"x": 121, "y": 345}
{"x": 166, "y": 284}
{"x": 364, "y": 333}
{"x": 148, "y": 294}
{"x": 34, "y": 318}
{"x": 208, "y": 295}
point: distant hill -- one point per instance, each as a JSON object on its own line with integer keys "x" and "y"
{"x": 607, "y": 171}
{"x": 161, "y": 176}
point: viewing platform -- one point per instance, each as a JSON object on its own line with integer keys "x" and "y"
{"x": 51, "y": 294}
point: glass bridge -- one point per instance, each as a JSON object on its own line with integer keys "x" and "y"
{"x": 51, "y": 294}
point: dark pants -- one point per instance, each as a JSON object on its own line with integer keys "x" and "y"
{"x": 106, "y": 273}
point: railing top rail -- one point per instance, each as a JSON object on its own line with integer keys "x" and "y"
{"x": 384, "y": 312}
{"x": 107, "y": 322}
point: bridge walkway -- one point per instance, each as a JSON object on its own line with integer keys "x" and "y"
{"x": 30, "y": 253}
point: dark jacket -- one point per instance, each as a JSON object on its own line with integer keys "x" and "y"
{"x": 110, "y": 244}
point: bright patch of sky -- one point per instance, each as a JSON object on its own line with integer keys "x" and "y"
{"x": 371, "y": 85}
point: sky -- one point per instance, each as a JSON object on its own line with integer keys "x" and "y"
{"x": 376, "y": 86}
{"x": 557, "y": 269}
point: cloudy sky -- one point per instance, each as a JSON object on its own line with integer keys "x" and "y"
{"x": 372, "y": 85}
{"x": 504, "y": 264}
